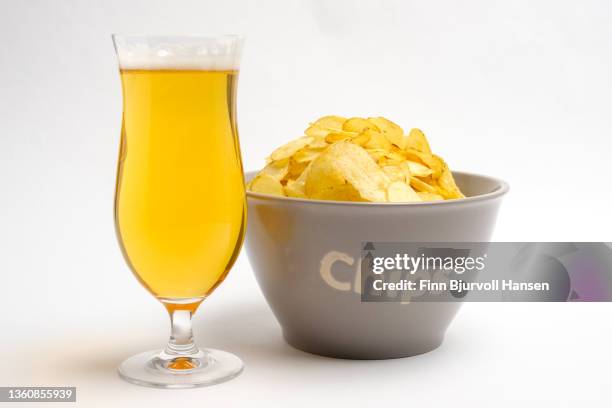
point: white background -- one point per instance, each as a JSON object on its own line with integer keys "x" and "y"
{"x": 520, "y": 90}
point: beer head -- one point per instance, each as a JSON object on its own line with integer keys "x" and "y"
{"x": 178, "y": 52}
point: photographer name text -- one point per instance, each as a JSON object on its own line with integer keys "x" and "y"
{"x": 459, "y": 286}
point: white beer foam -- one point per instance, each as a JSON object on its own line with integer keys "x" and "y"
{"x": 212, "y": 63}
{"x": 179, "y": 53}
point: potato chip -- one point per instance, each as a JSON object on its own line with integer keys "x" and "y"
{"x": 358, "y": 125}
{"x": 296, "y": 169}
{"x": 339, "y": 135}
{"x": 337, "y": 192}
{"x": 289, "y": 149}
{"x": 316, "y": 131}
{"x": 377, "y": 140}
{"x": 357, "y": 159}
{"x": 447, "y": 185}
{"x": 295, "y": 189}
{"x": 376, "y": 154}
{"x": 264, "y": 183}
{"x": 430, "y": 196}
{"x": 306, "y": 155}
{"x": 396, "y": 155}
{"x": 330, "y": 122}
{"x": 400, "y": 192}
{"x": 416, "y": 140}
{"x": 295, "y": 184}
{"x": 420, "y": 185}
{"x": 318, "y": 142}
{"x": 430, "y": 160}
{"x": 277, "y": 169}
{"x": 417, "y": 169}
{"x": 394, "y": 173}
{"x": 343, "y": 170}
{"x": 386, "y": 161}
{"x": 393, "y": 132}
{"x": 361, "y": 139}
{"x": 405, "y": 169}
{"x": 304, "y": 174}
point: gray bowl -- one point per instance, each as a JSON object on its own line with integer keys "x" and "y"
{"x": 292, "y": 243}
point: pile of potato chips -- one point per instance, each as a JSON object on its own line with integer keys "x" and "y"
{"x": 357, "y": 159}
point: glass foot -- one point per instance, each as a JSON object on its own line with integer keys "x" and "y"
{"x": 154, "y": 369}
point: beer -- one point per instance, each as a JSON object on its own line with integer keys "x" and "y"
{"x": 180, "y": 204}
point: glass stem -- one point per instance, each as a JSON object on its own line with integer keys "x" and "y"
{"x": 181, "y": 342}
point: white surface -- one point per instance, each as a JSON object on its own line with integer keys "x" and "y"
{"x": 516, "y": 89}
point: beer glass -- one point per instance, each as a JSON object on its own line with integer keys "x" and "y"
{"x": 180, "y": 210}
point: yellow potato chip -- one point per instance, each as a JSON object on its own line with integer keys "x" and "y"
{"x": 339, "y": 135}
{"x": 316, "y": 131}
{"x": 295, "y": 189}
{"x": 447, "y": 185}
{"x": 304, "y": 175}
{"x": 376, "y": 154}
{"x": 343, "y": 169}
{"x": 430, "y": 196}
{"x": 289, "y": 149}
{"x": 418, "y": 169}
{"x": 397, "y": 155}
{"x": 361, "y": 139}
{"x": 395, "y": 173}
{"x": 306, "y": 155}
{"x": 432, "y": 161}
{"x": 416, "y": 140}
{"x": 318, "y": 142}
{"x": 264, "y": 183}
{"x": 296, "y": 169}
{"x": 358, "y": 125}
{"x": 377, "y": 140}
{"x": 405, "y": 169}
{"x": 393, "y": 132}
{"x": 277, "y": 169}
{"x": 386, "y": 161}
{"x": 337, "y": 192}
{"x": 330, "y": 122}
{"x": 420, "y": 185}
{"x": 357, "y": 159}
{"x": 400, "y": 192}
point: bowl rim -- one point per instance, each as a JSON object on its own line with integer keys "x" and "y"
{"x": 501, "y": 189}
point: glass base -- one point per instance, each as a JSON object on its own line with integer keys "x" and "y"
{"x": 152, "y": 369}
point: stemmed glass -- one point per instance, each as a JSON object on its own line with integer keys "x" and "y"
{"x": 180, "y": 210}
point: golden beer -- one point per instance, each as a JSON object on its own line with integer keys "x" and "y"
{"x": 180, "y": 205}
{"x": 180, "y": 202}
